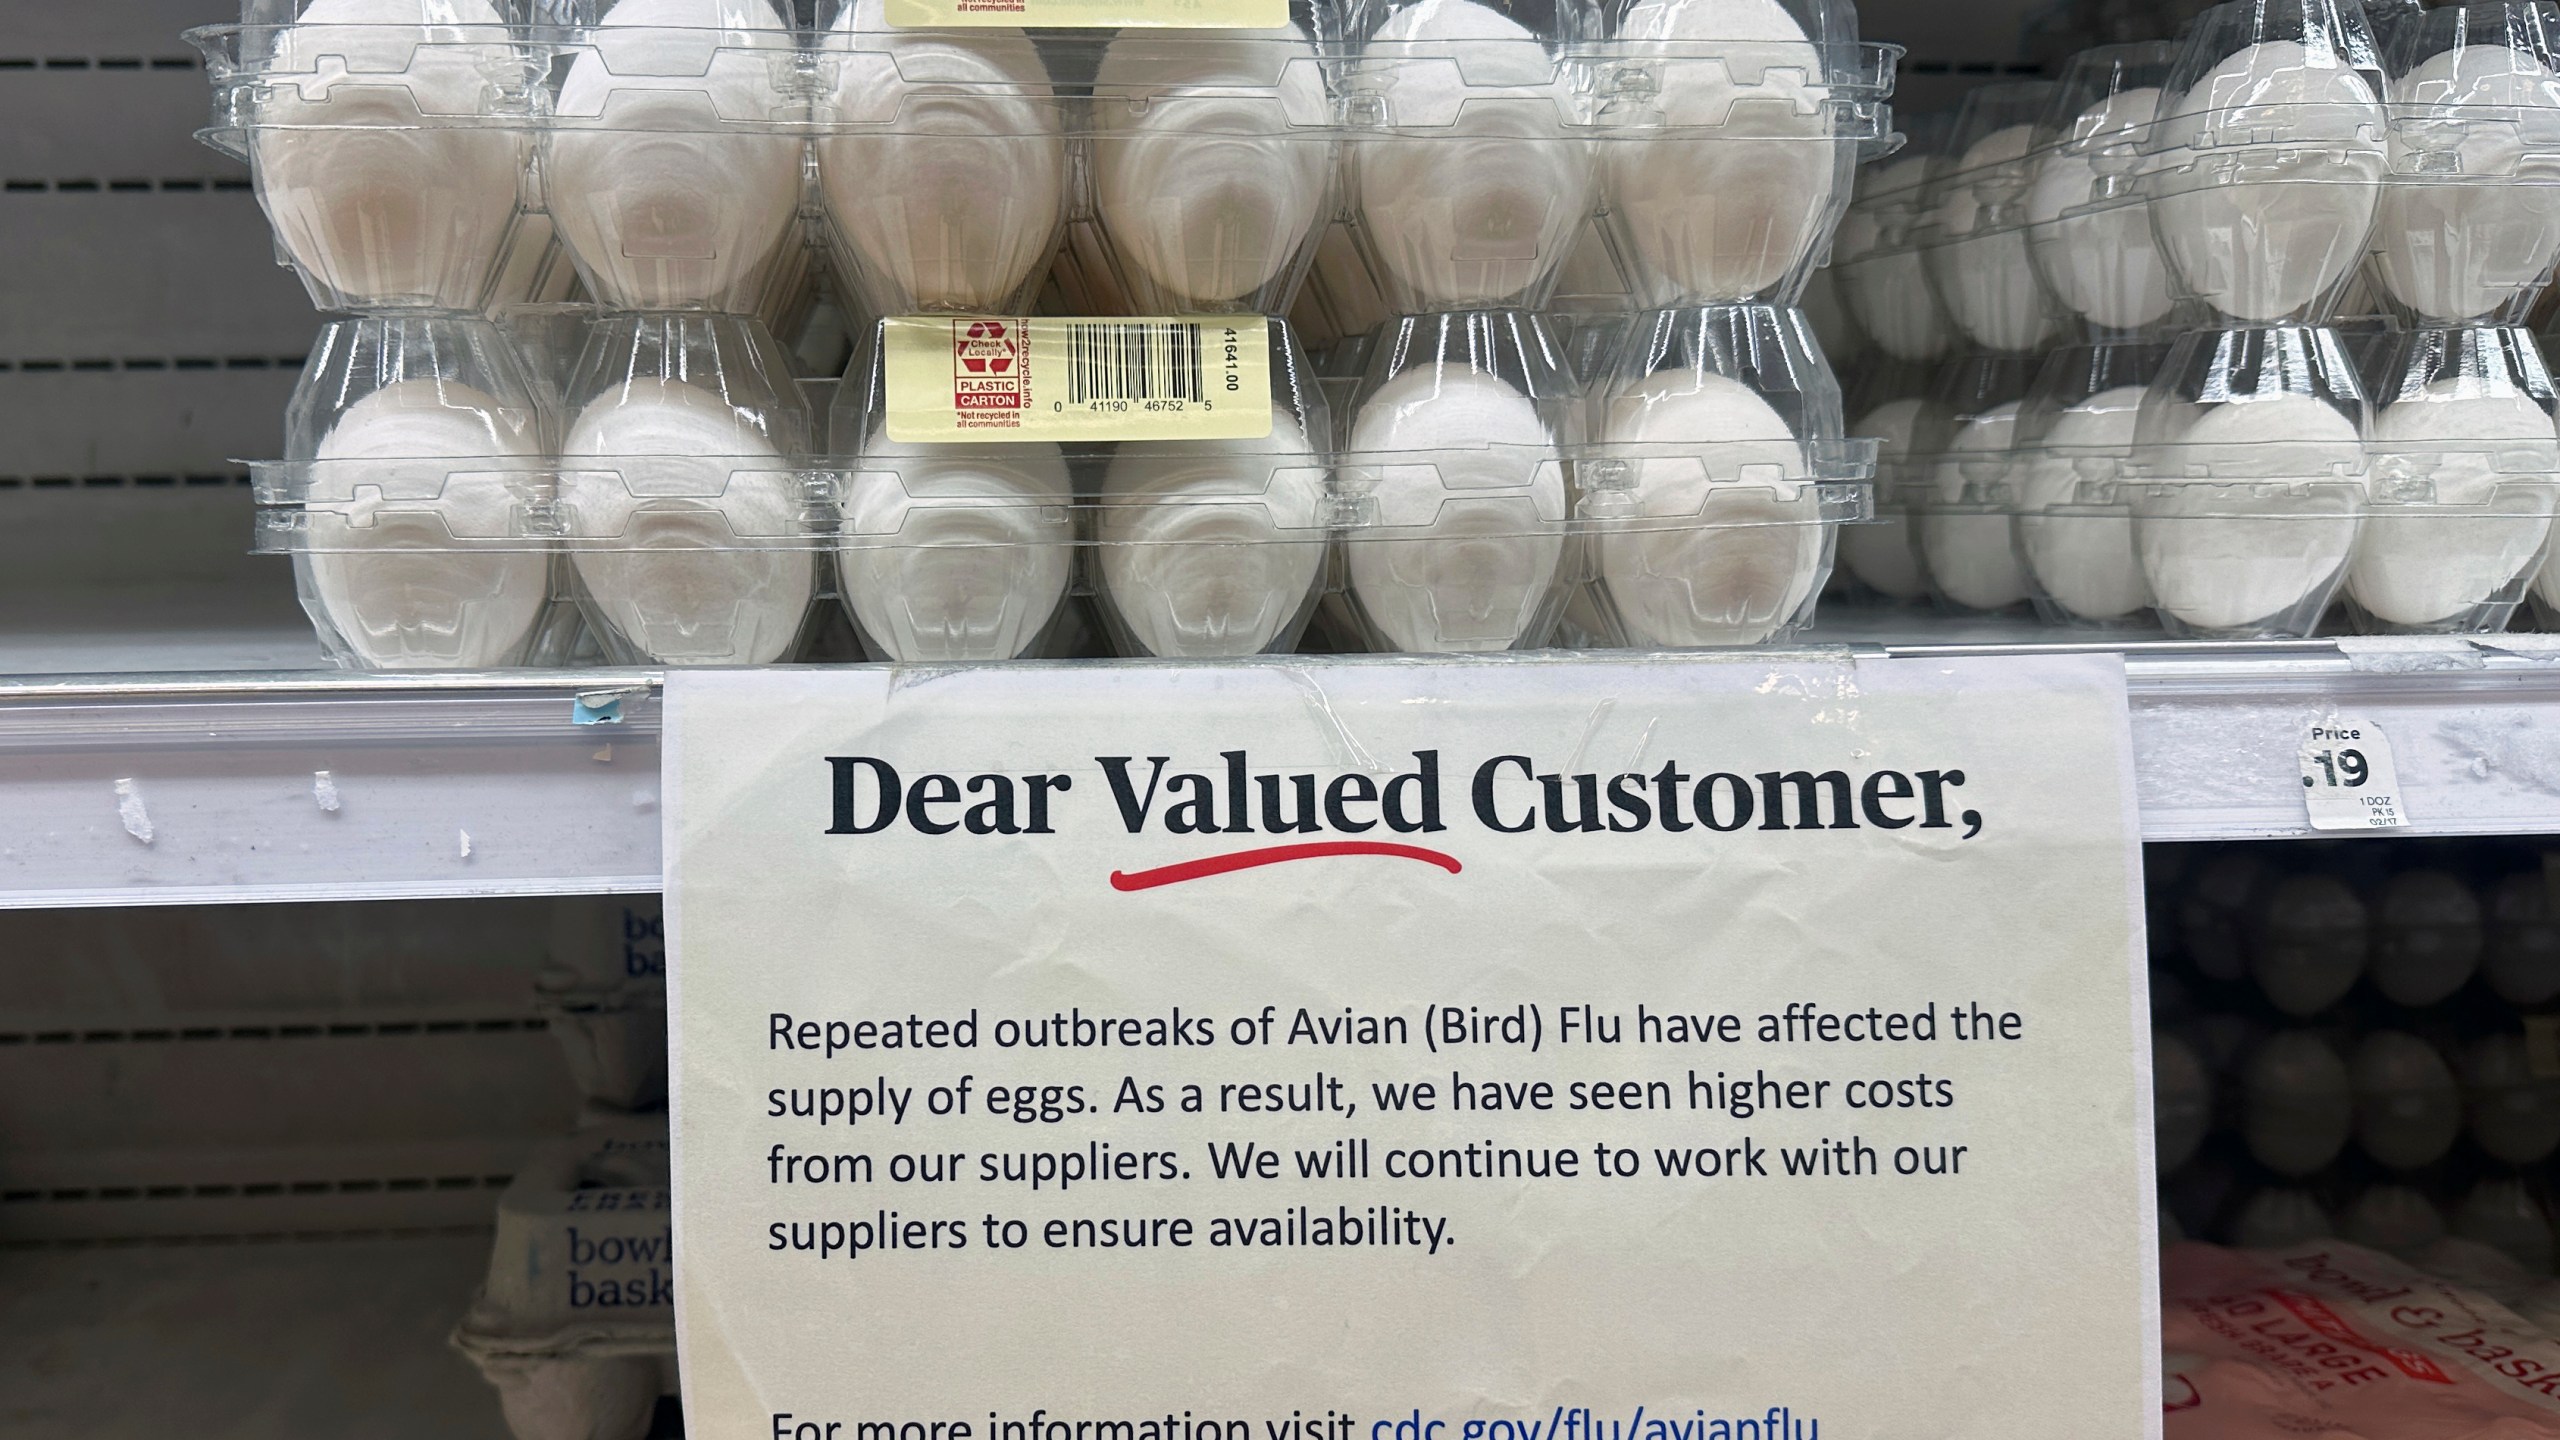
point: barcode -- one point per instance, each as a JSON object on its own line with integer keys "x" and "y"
{"x": 1133, "y": 361}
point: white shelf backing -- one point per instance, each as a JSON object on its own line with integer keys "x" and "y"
{"x": 323, "y": 786}
{"x": 169, "y": 421}
{"x": 146, "y": 273}
{"x": 147, "y": 789}
{"x": 154, "y": 98}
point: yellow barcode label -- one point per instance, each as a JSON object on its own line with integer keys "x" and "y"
{"x": 975, "y": 378}
{"x": 1089, "y": 14}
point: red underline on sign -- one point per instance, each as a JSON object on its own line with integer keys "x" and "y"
{"x": 1274, "y": 855}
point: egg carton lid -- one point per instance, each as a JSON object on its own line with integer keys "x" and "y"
{"x": 625, "y": 1158}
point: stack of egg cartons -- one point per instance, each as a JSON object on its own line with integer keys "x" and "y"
{"x": 2196, "y": 438}
{"x": 392, "y": 147}
{"x": 1973, "y": 247}
{"x": 1193, "y": 173}
{"x": 2096, "y": 253}
{"x": 1665, "y": 478}
{"x": 1720, "y": 457}
{"x": 2339, "y": 1053}
{"x": 443, "y": 483}
{"x": 2263, "y": 171}
{"x": 1113, "y": 218}
{"x": 674, "y": 155}
{"x": 575, "y": 1323}
{"x": 2465, "y": 460}
{"x": 1883, "y": 284}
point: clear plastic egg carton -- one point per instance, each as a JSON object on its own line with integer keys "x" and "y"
{"x": 2088, "y": 225}
{"x": 1469, "y": 163}
{"x": 394, "y": 159}
{"x": 1728, "y": 137}
{"x": 1883, "y": 278}
{"x": 2468, "y": 228}
{"x": 575, "y": 1323}
{"x": 2464, "y": 461}
{"x": 1971, "y": 229}
{"x": 1688, "y": 499}
{"x": 437, "y": 500}
{"x": 2075, "y": 541}
{"x": 1889, "y": 405}
{"x": 2243, "y": 540}
{"x": 1963, "y": 484}
{"x": 987, "y": 549}
{"x": 2264, "y": 163}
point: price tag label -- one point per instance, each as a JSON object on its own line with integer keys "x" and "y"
{"x": 959, "y": 380}
{"x": 2348, "y": 780}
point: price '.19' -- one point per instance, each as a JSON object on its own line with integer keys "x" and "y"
{"x": 2345, "y": 769}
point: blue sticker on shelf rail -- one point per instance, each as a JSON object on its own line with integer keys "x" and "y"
{"x": 1533, "y": 1049}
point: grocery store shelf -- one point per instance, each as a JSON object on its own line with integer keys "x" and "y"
{"x": 308, "y": 783}
{"x": 281, "y": 785}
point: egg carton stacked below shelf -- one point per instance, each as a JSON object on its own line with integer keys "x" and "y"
{"x": 2218, "y": 331}
{"x": 575, "y": 1324}
{"x": 2361, "y": 1045}
{"x": 1584, "y": 408}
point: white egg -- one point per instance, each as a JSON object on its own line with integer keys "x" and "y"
{"x": 2297, "y": 1103}
{"x": 2495, "y": 453}
{"x": 1470, "y": 510}
{"x": 2257, "y": 548}
{"x": 2270, "y": 180}
{"x": 2085, "y": 562}
{"x": 1987, "y": 279}
{"x": 1213, "y": 160}
{"x": 1476, "y": 190}
{"x": 2427, "y": 937}
{"x": 673, "y": 166}
{"x": 1728, "y": 543}
{"x": 1734, "y": 192}
{"x": 2462, "y": 227}
{"x": 955, "y": 552}
{"x": 376, "y": 157}
{"x": 1884, "y": 280}
{"x": 687, "y": 512}
{"x": 1880, "y": 553}
{"x": 1213, "y": 548}
{"x": 405, "y": 480}
{"x": 1967, "y": 545}
{"x": 2095, "y": 249}
{"x": 2408, "y": 1108}
{"x": 2514, "y": 1111}
{"x": 942, "y": 159}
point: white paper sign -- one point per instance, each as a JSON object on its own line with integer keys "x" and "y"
{"x": 2348, "y": 780}
{"x": 1540, "y": 1049}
